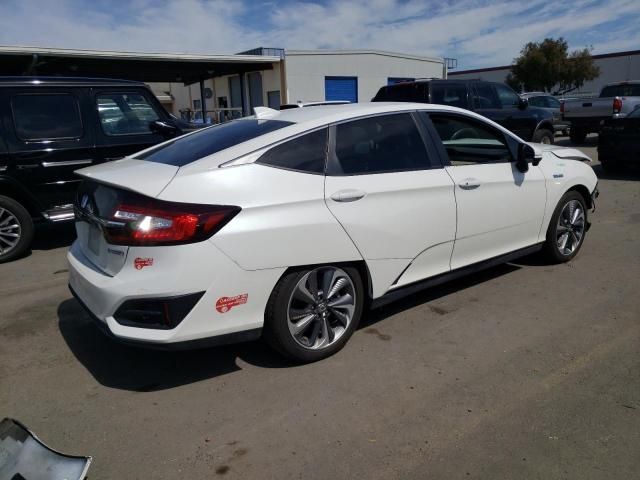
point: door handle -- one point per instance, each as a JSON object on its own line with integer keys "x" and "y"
{"x": 348, "y": 195}
{"x": 469, "y": 184}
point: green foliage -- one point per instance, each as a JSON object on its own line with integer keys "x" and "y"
{"x": 548, "y": 64}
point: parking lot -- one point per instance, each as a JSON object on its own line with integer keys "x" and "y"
{"x": 526, "y": 370}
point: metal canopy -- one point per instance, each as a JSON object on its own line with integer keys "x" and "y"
{"x": 147, "y": 67}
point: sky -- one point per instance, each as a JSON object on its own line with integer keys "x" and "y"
{"x": 478, "y": 33}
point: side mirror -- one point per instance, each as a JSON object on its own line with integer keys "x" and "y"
{"x": 164, "y": 128}
{"x": 526, "y": 154}
{"x": 523, "y": 103}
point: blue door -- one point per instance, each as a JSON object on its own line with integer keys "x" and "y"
{"x": 341, "y": 88}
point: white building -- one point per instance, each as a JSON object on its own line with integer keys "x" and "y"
{"x": 614, "y": 67}
{"x": 300, "y": 75}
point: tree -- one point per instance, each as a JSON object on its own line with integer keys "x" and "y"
{"x": 548, "y": 64}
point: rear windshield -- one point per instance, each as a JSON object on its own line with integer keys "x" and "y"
{"x": 630, "y": 90}
{"x": 402, "y": 92}
{"x": 188, "y": 149}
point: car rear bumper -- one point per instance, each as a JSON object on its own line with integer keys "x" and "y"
{"x": 216, "y": 317}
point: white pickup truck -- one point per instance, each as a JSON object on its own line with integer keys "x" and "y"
{"x": 616, "y": 100}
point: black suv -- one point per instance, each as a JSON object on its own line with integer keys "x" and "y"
{"x": 495, "y": 101}
{"x": 50, "y": 127}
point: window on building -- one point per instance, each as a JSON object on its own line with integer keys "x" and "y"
{"x": 46, "y": 116}
{"x": 387, "y": 143}
{"x": 125, "y": 113}
{"x": 306, "y": 153}
{"x": 273, "y": 99}
{"x": 469, "y": 141}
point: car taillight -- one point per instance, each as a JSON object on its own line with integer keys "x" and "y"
{"x": 617, "y": 105}
{"x": 144, "y": 221}
{"x": 561, "y": 107}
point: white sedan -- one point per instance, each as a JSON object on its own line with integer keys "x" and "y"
{"x": 289, "y": 224}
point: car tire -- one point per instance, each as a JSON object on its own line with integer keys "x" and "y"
{"x": 305, "y": 327}
{"x": 563, "y": 224}
{"x": 543, "y": 135}
{"x": 14, "y": 220}
{"x": 577, "y": 136}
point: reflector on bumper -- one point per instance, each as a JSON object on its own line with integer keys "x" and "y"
{"x": 24, "y": 456}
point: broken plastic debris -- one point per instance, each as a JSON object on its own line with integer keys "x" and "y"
{"x": 23, "y": 456}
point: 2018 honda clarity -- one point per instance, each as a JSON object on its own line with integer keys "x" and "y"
{"x": 289, "y": 224}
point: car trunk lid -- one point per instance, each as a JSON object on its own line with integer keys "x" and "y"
{"x": 98, "y": 196}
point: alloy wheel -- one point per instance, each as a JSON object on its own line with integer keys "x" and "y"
{"x": 321, "y": 307}
{"x": 10, "y": 231}
{"x": 570, "y": 228}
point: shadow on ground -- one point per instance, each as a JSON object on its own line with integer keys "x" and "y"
{"x": 132, "y": 368}
{"x": 50, "y": 237}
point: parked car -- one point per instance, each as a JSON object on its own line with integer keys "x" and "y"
{"x": 619, "y": 142}
{"x": 586, "y": 115}
{"x": 552, "y": 105}
{"x": 288, "y": 224}
{"x": 287, "y": 106}
{"x": 49, "y": 127}
{"x": 495, "y": 101}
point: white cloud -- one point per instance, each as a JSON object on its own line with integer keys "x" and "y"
{"x": 476, "y": 31}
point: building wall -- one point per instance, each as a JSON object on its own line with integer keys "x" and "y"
{"x": 306, "y": 71}
{"x": 613, "y": 68}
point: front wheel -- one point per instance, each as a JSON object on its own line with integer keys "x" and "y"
{"x": 567, "y": 228}
{"x": 312, "y": 312}
{"x": 543, "y": 136}
{"x": 16, "y": 229}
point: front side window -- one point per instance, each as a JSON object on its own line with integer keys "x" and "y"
{"x": 46, "y": 116}
{"x": 553, "y": 102}
{"x": 449, "y": 94}
{"x": 306, "y": 153}
{"x": 537, "y": 101}
{"x": 386, "y": 143}
{"x": 189, "y": 148}
{"x": 484, "y": 96}
{"x": 508, "y": 98}
{"x": 469, "y": 141}
{"x": 125, "y": 113}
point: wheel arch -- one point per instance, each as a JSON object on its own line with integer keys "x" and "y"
{"x": 584, "y": 192}
{"x": 10, "y": 189}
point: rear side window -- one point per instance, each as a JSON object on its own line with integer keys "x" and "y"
{"x": 188, "y": 149}
{"x": 46, "y": 116}
{"x": 125, "y": 113}
{"x": 388, "y": 143}
{"x": 306, "y": 153}
{"x": 628, "y": 90}
{"x": 449, "y": 94}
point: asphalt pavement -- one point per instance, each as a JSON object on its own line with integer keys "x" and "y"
{"x": 524, "y": 371}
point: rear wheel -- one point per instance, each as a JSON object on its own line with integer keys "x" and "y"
{"x": 543, "y": 136}
{"x": 567, "y": 228}
{"x": 312, "y": 312}
{"x": 16, "y": 229}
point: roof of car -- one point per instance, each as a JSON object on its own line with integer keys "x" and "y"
{"x": 65, "y": 81}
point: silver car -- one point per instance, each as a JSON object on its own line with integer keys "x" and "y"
{"x": 552, "y": 104}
